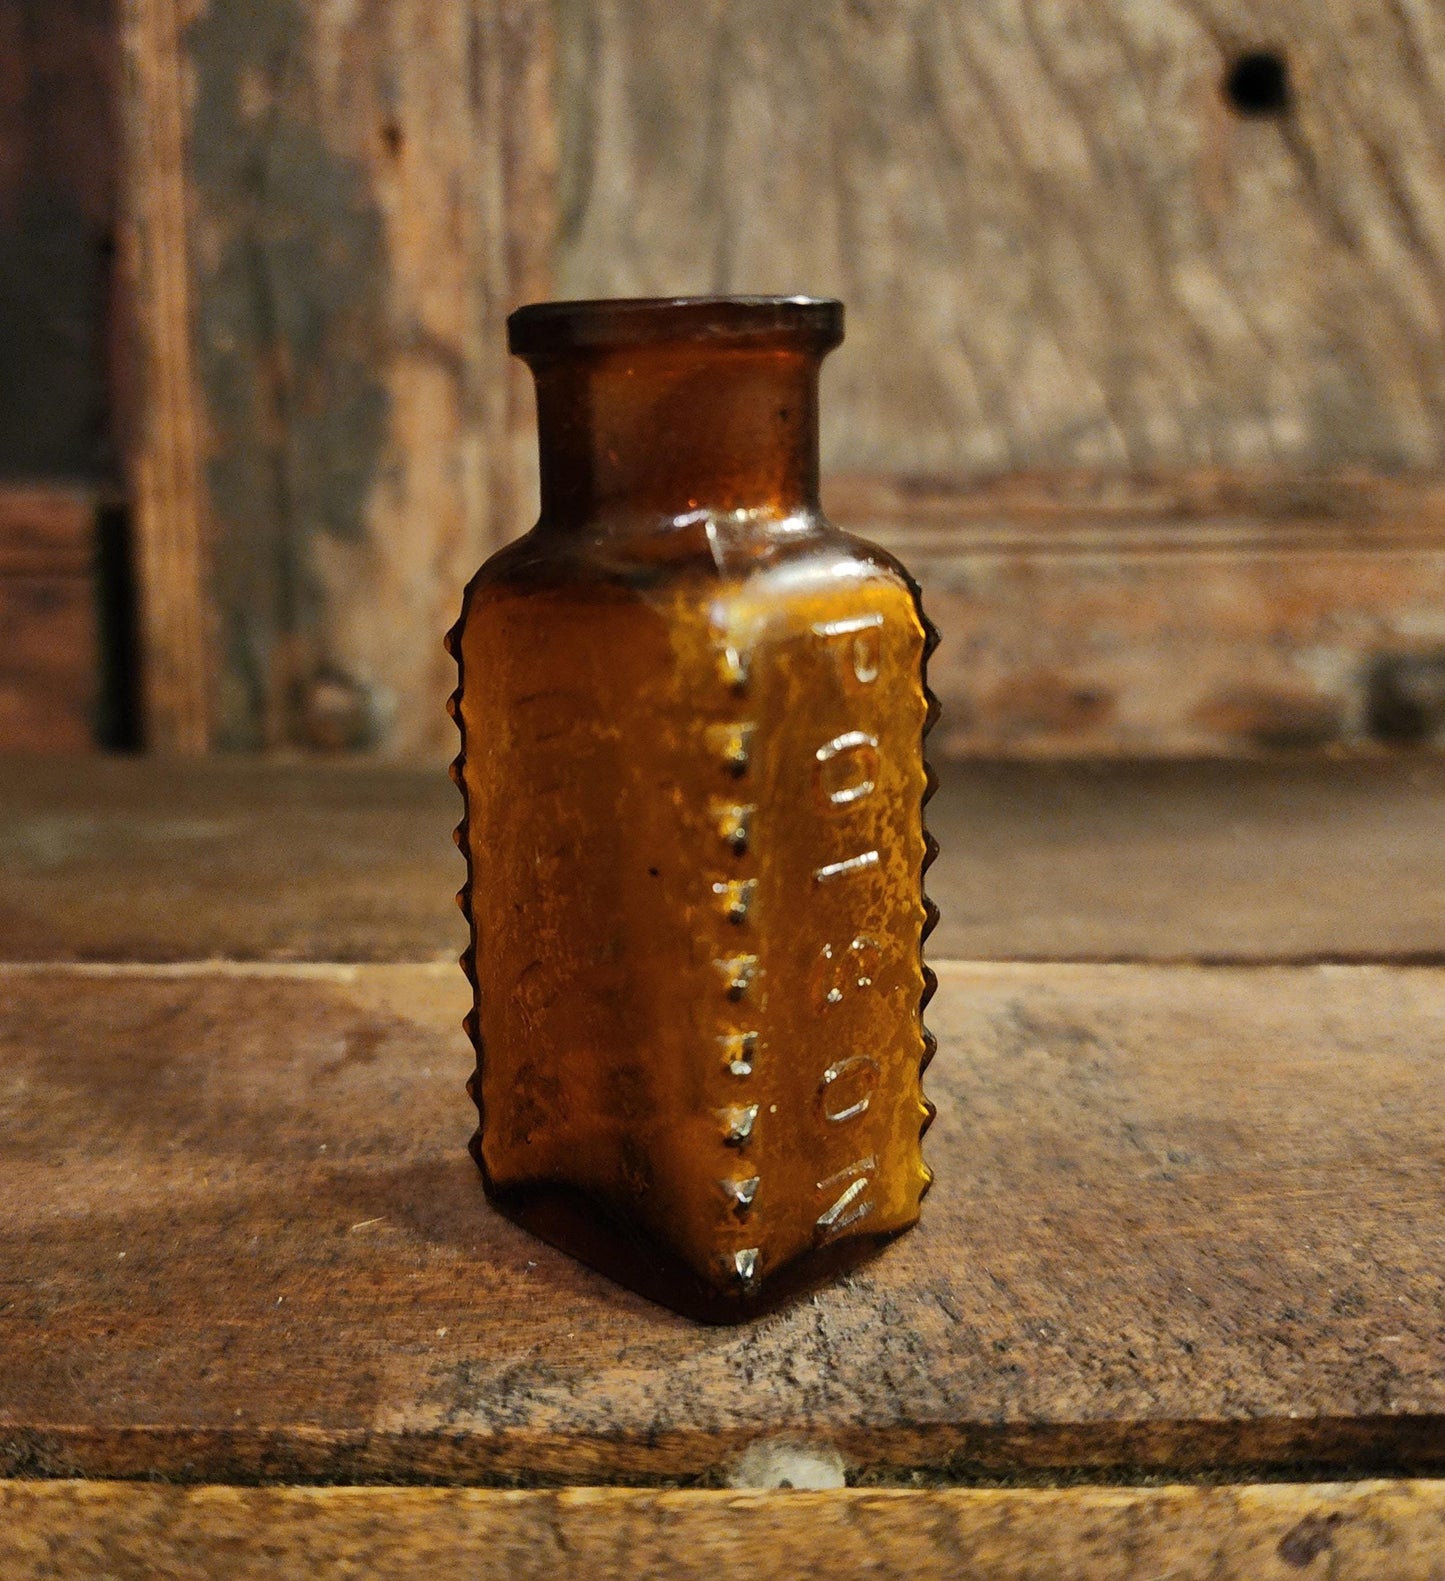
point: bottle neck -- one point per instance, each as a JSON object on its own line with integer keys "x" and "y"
{"x": 635, "y": 437}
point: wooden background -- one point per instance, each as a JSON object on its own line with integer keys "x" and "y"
{"x": 1144, "y": 373}
{"x": 58, "y": 205}
{"x": 1060, "y": 245}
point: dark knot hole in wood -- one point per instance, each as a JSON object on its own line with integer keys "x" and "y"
{"x": 1257, "y": 83}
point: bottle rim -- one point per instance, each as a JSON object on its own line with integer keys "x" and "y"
{"x": 808, "y": 322}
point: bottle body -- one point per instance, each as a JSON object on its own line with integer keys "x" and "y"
{"x": 693, "y": 784}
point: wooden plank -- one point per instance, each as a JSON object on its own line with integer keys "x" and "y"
{"x": 1189, "y": 508}
{"x": 1184, "y": 861}
{"x": 116, "y": 859}
{"x": 1173, "y": 615}
{"x": 1171, "y": 654}
{"x": 50, "y": 658}
{"x": 165, "y": 444}
{"x": 1184, "y": 1219}
{"x": 321, "y": 218}
{"x": 1067, "y": 254}
{"x": 48, "y": 663}
{"x": 1060, "y": 244}
{"x": 1384, "y": 1531}
{"x": 1213, "y": 861}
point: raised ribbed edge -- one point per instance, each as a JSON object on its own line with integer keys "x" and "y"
{"x": 930, "y": 851}
{"x": 543, "y": 327}
{"x": 471, "y": 1022}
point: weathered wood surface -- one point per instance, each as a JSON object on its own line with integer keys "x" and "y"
{"x": 1211, "y": 861}
{"x": 49, "y": 649}
{"x": 138, "y": 859}
{"x": 128, "y": 860}
{"x": 1059, "y": 243}
{"x": 165, "y": 436}
{"x": 1194, "y": 613}
{"x": 1184, "y": 1219}
{"x": 331, "y": 210}
{"x": 1062, "y": 247}
{"x": 1168, "y": 654}
{"x": 1373, "y": 1531}
{"x": 1065, "y": 253}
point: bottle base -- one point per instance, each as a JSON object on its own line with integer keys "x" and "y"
{"x": 587, "y": 1229}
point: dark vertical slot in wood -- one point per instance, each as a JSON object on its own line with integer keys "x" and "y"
{"x": 117, "y": 705}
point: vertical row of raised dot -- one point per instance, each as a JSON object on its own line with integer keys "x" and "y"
{"x": 730, "y": 746}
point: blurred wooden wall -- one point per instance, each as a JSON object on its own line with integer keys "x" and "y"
{"x": 328, "y": 223}
{"x": 1145, "y": 371}
{"x": 57, "y": 435}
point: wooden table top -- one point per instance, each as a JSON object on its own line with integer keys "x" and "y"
{"x": 1189, "y": 1218}
{"x": 116, "y": 859}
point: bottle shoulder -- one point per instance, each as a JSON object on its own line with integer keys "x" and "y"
{"x": 702, "y": 559}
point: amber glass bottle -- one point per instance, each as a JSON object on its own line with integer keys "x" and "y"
{"x": 692, "y": 716}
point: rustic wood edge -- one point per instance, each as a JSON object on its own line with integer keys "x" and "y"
{"x": 166, "y": 460}
{"x": 1279, "y": 503}
{"x": 1112, "y": 1452}
{"x": 1377, "y": 1530}
{"x": 1183, "y": 510}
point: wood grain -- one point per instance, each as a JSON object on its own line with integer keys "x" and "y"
{"x": 1384, "y": 1531}
{"x": 330, "y": 211}
{"x": 1118, "y": 357}
{"x": 1204, "y": 861}
{"x": 1180, "y": 614}
{"x": 1064, "y": 254}
{"x": 1058, "y": 243}
{"x": 1184, "y": 1219}
{"x": 1061, "y": 250}
{"x": 230, "y": 859}
{"x": 226, "y": 858}
{"x": 342, "y": 197}
{"x": 1165, "y": 653}
{"x": 48, "y": 663}
{"x": 165, "y": 447}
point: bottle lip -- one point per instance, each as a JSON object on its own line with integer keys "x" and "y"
{"x": 617, "y": 322}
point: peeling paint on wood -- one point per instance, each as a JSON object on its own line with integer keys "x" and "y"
{"x": 293, "y": 345}
{"x": 355, "y": 204}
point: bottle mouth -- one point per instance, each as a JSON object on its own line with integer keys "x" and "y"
{"x": 806, "y": 323}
